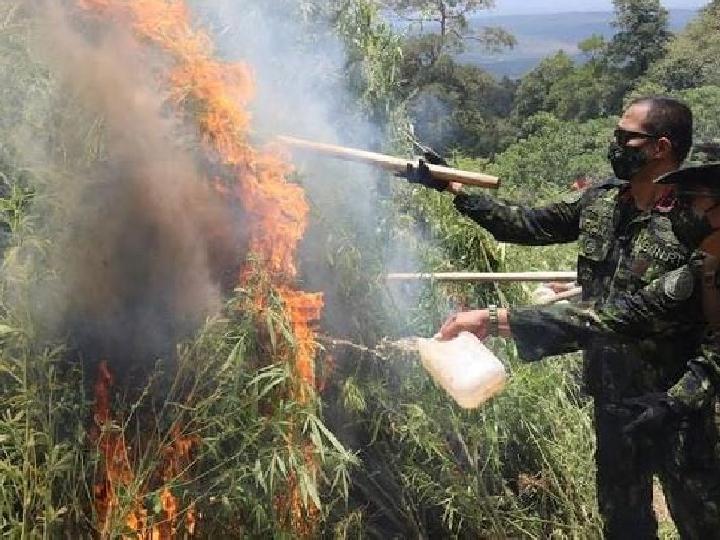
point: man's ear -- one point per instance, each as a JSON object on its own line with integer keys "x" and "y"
{"x": 713, "y": 216}
{"x": 664, "y": 148}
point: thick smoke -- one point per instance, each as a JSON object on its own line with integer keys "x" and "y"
{"x": 141, "y": 242}
{"x": 301, "y": 66}
{"x": 302, "y": 90}
{"x": 143, "y": 247}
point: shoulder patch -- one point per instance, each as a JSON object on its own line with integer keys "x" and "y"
{"x": 679, "y": 284}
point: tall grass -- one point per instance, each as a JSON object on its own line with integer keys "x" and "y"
{"x": 520, "y": 466}
{"x": 230, "y": 390}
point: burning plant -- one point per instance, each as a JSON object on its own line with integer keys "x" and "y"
{"x": 215, "y": 95}
{"x": 175, "y": 199}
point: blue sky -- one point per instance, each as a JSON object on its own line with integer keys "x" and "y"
{"x": 515, "y": 7}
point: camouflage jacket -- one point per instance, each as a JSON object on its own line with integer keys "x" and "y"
{"x": 674, "y": 304}
{"x": 621, "y": 251}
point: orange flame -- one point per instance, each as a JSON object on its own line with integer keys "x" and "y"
{"x": 116, "y": 469}
{"x": 277, "y": 209}
{"x": 177, "y": 457}
{"x": 304, "y": 308}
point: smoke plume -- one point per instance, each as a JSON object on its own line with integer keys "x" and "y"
{"x": 301, "y": 68}
{"x": 141, "y": 242}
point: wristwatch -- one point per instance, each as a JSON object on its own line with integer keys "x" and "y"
{"x": 494, "y": 320}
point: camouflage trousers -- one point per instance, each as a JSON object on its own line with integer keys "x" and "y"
{"x": 684, "y": 459}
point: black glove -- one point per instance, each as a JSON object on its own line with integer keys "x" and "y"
{"x": 646, "y": 414}
{"x": 421, "y": 174}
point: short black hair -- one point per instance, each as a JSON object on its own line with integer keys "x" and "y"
{"x": 671, "y": 118}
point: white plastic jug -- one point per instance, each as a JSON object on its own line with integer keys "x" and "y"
{"x": 464, "y": 368}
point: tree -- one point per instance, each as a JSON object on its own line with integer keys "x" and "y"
{"x": 535, "y": 87}
{"x": 581, "y": 92}
{"x": 642, "y": 35}
{"x": 579, "y": 95}
{"x": 693, "y": 57}
{"x": 641, "y": 39}
{"x": 463, "y": 107}
{"x": 705, "y": 104}
{"x": 552, "y": 152}
{"x": 451, "y": 25}
{"x": 451, "y": 105}
{"x": 593, "y": 48}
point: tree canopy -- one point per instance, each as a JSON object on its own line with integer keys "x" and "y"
{"x": 693, "y": 56}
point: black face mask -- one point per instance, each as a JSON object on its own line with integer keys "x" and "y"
{"x": 689, "y": 226}
{"x": 626, "y": 161}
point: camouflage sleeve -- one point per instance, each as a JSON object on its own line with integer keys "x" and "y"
{"x": 672, "y": 303}
{"x": 540, "y": 332}
{"x": 549, "y": 331}
{"x": 669, "y": 304}
{"x": 696, "y": 388}
{"x": 552, "y": 224}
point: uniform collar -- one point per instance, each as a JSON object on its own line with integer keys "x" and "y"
{"x": 664, "y": 204}
{"x": 667, "y": 200}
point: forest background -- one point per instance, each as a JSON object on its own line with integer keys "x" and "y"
{"x": 215, "y": 434}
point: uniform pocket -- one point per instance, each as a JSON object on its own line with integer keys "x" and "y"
{"x": 654, "y": 257}
{"x": 593, "y": 246}
{"x": 658, "y": 248}
{"x": 595, "y": 237}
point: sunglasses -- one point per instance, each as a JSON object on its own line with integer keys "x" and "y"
{"x": 624, "y": 136}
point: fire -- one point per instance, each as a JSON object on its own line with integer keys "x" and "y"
{"x": 277, "y": 209}
{"x": 116, "y": 470}
{"x": 302, "y": 308}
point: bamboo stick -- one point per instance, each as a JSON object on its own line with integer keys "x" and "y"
{"x": 392, "y": 164}
{"x": 487, "y": 277}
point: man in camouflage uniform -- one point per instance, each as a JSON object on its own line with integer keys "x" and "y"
{"x": 625, "y": 241}
{"x": 682, "y": 420}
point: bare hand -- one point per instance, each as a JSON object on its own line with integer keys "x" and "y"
{"x": 559, "y": 287}
{"x": 475, "y": 322}
{"x": 454, "y": 187}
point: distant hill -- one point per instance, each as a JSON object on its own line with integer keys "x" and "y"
{"x": 541, "y": 35}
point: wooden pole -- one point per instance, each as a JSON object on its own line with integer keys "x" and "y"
{"x": 487, "y": 277}
{"x": 392, "y": 164}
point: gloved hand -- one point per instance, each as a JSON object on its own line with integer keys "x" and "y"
{"x": 421, "y": 174}
{"x": 646, "y": 414}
